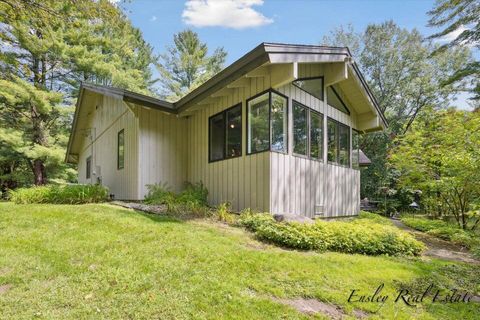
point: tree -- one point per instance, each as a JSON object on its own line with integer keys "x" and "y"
{"x": 441, "y": 157}
{"x": 406, "y": 80}
{"x": 462, "y": 17}
{"x": 48, "y": 47}
{"x": 186, "y": 65}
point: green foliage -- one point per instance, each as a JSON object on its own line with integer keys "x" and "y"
{"x": 186, "y": 65}
{"x": 462, "y": 16}
{"x": 373, "y": 217}
{"x": 192, "y": 200}
{"x": 443, "y": 230}
{"x": 223, "y": 213}
{"x": 48, "y": 47}
{"x": 60, "y": 194}
{"x": 363, "y": 235}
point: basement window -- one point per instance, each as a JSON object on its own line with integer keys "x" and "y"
{"x": 334, "y": 100}
{"x": 121, "y": 149}
{"x": 267, "y": 122}
{"x": 225, "y": 134}
{"x": 338, "y": 140}
{"x": 88, "y": 167}
{"x": 313, "y": 86}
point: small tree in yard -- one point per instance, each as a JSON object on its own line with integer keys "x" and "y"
{"x": 441, "y": 157}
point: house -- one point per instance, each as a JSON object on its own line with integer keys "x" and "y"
{"x": 275, "y": 131}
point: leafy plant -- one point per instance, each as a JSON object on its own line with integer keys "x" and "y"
{"x": 358, "y": 236}
{"x": 60, "y": 194}
{"x": 223, "y": 213}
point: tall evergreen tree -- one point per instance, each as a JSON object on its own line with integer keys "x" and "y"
{"x": 186, "y": 65}
{"x": 48, "y": 47}
{"x": 462, "y": 17}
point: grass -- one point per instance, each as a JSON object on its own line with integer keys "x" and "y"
{"x": 104, "y": 262}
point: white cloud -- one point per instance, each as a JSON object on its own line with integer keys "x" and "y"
{"x": 236, "y": 14}
{"x": 153, "y": 18}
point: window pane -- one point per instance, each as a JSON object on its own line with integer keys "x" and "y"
{"x": 258, "y": 126}
{"x": 316, "y": 135}
{"x": 121, "y": 150}
{"x": 234, "y": 132}
{"x": 312, "y": 86}
{"x": 89, "y": 167}
{"x": 279, "y": 123}
{"x": 332, "y": 141}
{"x": 355, "y": 149}
{"x": 217, "y": 136}
{"x": 334, "y": 100}
{"x": 344, "y": 141}
{"x": 299, "y": 129}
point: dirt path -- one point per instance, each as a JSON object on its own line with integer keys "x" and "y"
{"x": 439, "y": 248}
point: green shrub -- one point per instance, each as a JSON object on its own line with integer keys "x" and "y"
{"x": 159, "y": 194}
{"x": 223, "y": 213}
{"x": 194, "y": 194}
{"x": 60, "y": 194}
{"x": 358, "y": 236}
{"x": 374, "y": 217}
{"x": 422, "y": 224}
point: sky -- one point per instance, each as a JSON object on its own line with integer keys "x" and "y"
{"x": 240, "y": 25}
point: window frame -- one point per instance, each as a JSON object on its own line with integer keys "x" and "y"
{"x": 355, "y": 131}
{"x": 337, "y": 140}
{"x": 309, "y": 128}
{"x": 224, "y": 113}
{"x": 312, "y": 78}
{"x": 121, "y": 132}
{"x": 269, "y": 149}
{"x": 340, "y": 99}
{"x": 88, "y": 167}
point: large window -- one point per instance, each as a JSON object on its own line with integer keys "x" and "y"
{"x": 121, "y": 149}
{"x": 300, "y": 129}
{"x": 338, "y": 139}
{"x": 88, "y": 167}
{"x": 314, "y": 86}
{"x": 355, "y": 149}
{"x": 225, "y": 134}
{"x": 334, "y": 100}
{"x": 316, "y": 135}
{"x": 307, "y": 132}
{"x": 267, "y": 123}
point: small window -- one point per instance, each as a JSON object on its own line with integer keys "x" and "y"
{"x": 338, "y": 139}
{"x": 300, "y": 129}
{"x": 88, "y": 167}
{"x": 316, "y": 135}
{"x": 121, "y": 150}
{"x": 267, "y": 123}
{"x": 355, "y": 149}
{"x": 334, "y": 100}
{"x": 314, "y": 86}
{"x": 225, "y": 134}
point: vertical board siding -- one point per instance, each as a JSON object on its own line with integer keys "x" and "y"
{"x": 162, "y": 150}
{"x": 244, "y": 182}
{"x": 299, "y": 184}
{"x": 109, "y": 117}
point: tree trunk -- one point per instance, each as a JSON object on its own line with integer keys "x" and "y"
{"x": 39, "y": 172}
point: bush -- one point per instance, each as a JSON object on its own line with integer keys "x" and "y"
{"x": 443, "y": 230}
{"x": 358, "y": 236}
{"x": 191, "y": 201}
{"x": 60, "y": 194}
{"x": 374, "y": 217}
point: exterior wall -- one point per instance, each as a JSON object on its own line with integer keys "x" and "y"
{"x": 299, "y": 184}
{"x": 243, "y": 181}
{"x": 100, "y": 142}
{"x": 162, "y": 150}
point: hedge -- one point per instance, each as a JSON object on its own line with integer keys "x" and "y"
{"x": 60, "y": 194}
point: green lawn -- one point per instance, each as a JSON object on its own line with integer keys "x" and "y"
{"x": 104, "y": 262}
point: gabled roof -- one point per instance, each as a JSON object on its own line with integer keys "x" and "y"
{"x": 273, "y": 53}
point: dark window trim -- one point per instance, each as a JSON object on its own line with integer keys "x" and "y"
{"x": 341, "y": 100}
{"x": 338, "y": 144}
{"x": 351, "y": 138}
{"x": 269, "y": 149}
{"x": 88, "y": 173}
{"x": 312, "y": 78}
{"x": 118, "y": 149}
{"x": 309, "y": 111}
{"x": 224, "y": 112}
